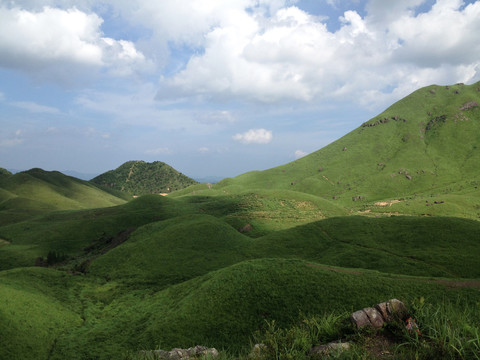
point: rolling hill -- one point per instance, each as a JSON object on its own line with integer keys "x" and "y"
{"x": 140, "y": 178}
{"x": 424, "y": 148}
{"x": 390, "y": 210}
{"x": 37, "y": 191}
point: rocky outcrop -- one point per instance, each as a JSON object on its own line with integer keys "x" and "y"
{"x": 183, "y": 354}
{"x": 380, "y": 314}
{"x": 469, "y": 105}
{"x": 383, "y": 121}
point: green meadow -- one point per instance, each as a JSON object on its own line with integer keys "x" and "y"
{"x": 279, "y": 257}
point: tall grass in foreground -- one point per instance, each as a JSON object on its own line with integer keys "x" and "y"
{"x": 448, "y": 331}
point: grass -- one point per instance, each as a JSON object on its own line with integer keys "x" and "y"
{"x": 279, "y": 257}
{"x": 446, "y": 331}
{"x": 199, "y": 311}
{"x": 391, "y": 160}
{"x": 53, "y": 190}
{"x": 176, "y": 279}
{"x": 71, "y": 232}
{"x": 35, "y": 309}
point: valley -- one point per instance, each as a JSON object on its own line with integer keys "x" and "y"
{"x": 390, "y": 210}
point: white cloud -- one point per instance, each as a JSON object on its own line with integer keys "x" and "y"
{"x": 293, "y": 56}
{"x": 445, "y": 35}
{"x": 299, "y": 154}
{"x": 34, "y": 107}
{"x": 255, "y": 50}
{"x": 61, "y": 41}
{"x": 203, "y": 150}
{"x": 254, "y": 136}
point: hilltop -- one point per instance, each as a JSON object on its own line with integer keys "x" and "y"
{"x": 421, "y": 150}
{"x": 140, "y": 178}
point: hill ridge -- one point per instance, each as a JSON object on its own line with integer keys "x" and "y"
{"x": 426, "y": 144}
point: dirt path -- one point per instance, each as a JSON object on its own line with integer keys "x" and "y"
{"x": 327, "y": 267}
{"x": 459, "y": 284}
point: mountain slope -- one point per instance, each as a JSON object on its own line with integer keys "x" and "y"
{"x": 140, "y": 178}
{"x": 41, "y": 190}
{"x": 423, "y": 144}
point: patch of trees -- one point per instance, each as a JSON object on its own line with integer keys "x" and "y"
{"x": 469, "y": 105}
{"x": 53, "y": 257}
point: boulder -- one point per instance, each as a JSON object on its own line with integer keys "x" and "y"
{"x": 380, "y": 314}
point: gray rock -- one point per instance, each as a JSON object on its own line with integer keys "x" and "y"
{"x": 397, "y": 310}
{"x": 360, "y": 319}
{"x": 258, "y": 351}
{"x": 330, "y": 348}
{"x": 376, "y": 319}
{"x": 380, "y": 314}
{"x": 183, "y": 354}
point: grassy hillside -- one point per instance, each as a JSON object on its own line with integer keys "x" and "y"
{"x": 140, "y": 178}
{"x": 86, "y": 275}
{"x": 222, "y": 308}
{"x": 37, "y": 191}
{"x": 73, "y": 233}
{"x": 35, "y": 309}
{"x": 423, "y": 147}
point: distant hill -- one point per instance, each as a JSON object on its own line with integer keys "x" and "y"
{"x": 40, "y": 190}
{"x": 425, "y": 146}
{"x": 5, "y": 172}
{"x": 140, "y": 178}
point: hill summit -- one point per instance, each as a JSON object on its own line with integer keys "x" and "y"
{"x": 423, "y": 147}
{"x": 140, "y": 178}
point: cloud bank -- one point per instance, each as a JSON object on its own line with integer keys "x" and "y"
{"x": 265, "y": 51}
{"x": 57, "y": 41}
{"x": 291, "y": 55}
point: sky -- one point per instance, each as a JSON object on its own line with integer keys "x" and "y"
{"x": 214, "y": 87}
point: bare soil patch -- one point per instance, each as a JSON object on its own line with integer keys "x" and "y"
{"x": 386, "y": 203}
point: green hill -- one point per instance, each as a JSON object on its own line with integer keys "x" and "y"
{"x": 69, "y": 233}
{"x": 388, "y": 211}
{"x": 140, "y": 178}
{"x": 36, "y": 191}
{"x": 221, "y": 308}
{"x": 424, "y": 147}
{"x": 5, "y": 172}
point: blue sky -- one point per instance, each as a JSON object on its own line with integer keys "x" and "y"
{"x": 214, "y": 87}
